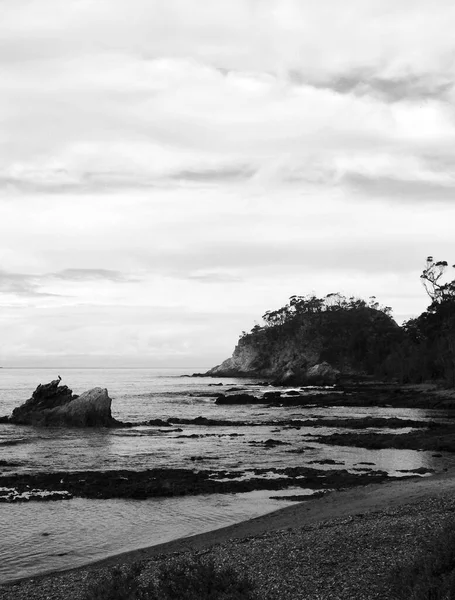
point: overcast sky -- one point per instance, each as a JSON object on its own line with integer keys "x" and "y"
{"x": 171, "y": 169}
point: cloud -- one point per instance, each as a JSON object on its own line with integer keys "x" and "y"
{"x": 258, "y": 259}
{"x": 411, "y": 88}
{"x": 91, "y": 275}
{"x": 404, "y": 190}
{"x": 155, "y": 94}
{"x": 214, "y": 277}
{"x": 37, "y": 285}
{"x": 88, "y": 335}
{"x": 223, "y": 174}
{"x": 216, "y": 158}
{"x": 21, "y": 285}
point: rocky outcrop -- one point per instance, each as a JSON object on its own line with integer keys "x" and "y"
{"x": 155, "y": 483}
{"x": 53, "y": 404}
{"x": 238, "y": 399}
{"x": 284, "y": 361}
{"x": 318, "y": 348}
{"x": 322, "y": 374}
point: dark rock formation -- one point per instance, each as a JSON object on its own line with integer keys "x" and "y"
{"x": 238, "y": 399}
{"x": 270, "y": 443}
{"x": 271, "y": 396}
{"x": 322, "y": 374}
{"x": 53, "y": 404}
{"x": 438, "y": 439}
{"x": 178, "y": 482}
{"x": 315, "y": 347}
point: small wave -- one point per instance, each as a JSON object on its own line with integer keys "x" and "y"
{"x": 130, "y": 433}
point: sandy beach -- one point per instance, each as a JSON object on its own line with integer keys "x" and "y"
{"x": 340, "y": 546}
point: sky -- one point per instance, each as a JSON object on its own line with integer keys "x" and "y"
{"x": 171, "y": 169}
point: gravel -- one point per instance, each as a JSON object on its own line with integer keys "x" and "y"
{"x": 348, "y": 558}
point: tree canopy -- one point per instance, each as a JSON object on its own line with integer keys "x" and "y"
{"x": 433, "y": 280}
{"x": 363, "y": 332}
{"x": 311, "y": 304}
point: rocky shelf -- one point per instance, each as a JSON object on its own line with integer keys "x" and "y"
{"x": 179, "y": 482}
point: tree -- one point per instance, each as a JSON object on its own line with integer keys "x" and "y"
{"x": 432, "y": 281}
{"x": 431, "y": 336}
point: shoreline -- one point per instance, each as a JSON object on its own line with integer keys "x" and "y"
{"x": 335, "y": 505}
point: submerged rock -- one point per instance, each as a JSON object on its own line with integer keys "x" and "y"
{"x": 53, "y": 404}
{"x": 238, "y": 399}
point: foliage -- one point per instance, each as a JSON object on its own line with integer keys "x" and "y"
{"x": 432, "y": 281}
{"x": 362, "y": 334}
{"x": 347, "y": 331}
{"x": 431, "y": 576}
{"x": 429, "y": 352}
{"x": 180, "y": 579}
{"x": 300, "y": 306}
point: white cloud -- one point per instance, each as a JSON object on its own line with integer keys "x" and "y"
{"x": 219, "y": 157}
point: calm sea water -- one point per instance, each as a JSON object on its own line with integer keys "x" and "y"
{"x": 39, "y": 537}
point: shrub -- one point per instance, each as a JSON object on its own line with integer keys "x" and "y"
{"x": 177, "y": 580}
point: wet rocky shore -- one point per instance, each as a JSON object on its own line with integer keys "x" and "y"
{"x": 349, "y": 394}
{"x": 431, "y": 434}
{"x": 49, "y": 400}
{"x": 155, "y": 483}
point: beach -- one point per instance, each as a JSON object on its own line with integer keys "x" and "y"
{"x": 227, "y": 290}
{"x": 195, "y": 465}
{"x": 343, "y": 545}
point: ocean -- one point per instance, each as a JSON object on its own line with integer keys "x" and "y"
{"x": 38, "y": 537}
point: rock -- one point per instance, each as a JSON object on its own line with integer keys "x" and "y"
{"x": 90, "y": 409}
{"x": 270, "y": 443}
{"x": 313, "y": 346}
{"x": 178, "y": 482}
{"x": 418, "y": 471}
{"x": 322, "y": 374}
{"x": 176, "y": 430}
{"x": 238, "y": 399}
{"x": 200, "y": 421}
{"x": 55, "y": 405}
{"x": 299, "y": 497}
{"x": 326, "y": 461}
{"x": 158, "y": 422}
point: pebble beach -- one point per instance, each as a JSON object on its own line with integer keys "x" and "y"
{"x": 343, "y": 546}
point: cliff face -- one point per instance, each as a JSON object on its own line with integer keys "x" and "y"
{"x": 314, "y": 348}
{"x": 263, "y": 355}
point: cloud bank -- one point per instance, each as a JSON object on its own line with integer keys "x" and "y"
{"x": 212, "y": 159}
